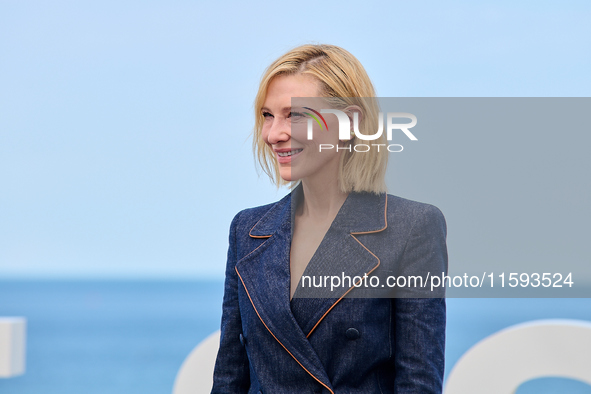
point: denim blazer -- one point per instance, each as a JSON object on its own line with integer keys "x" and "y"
{"x": 332, "y": 344}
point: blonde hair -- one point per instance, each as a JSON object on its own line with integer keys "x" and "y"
{"x": 344, "y": 81}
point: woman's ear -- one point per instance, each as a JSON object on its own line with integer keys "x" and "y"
{"x": 354, "y": 111}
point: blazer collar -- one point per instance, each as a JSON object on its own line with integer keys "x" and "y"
{"x": 271, "y": 222}
{"x": 361, "y": 212}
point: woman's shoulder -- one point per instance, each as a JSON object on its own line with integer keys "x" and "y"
{"x": 405, "y": 204}
{"x": 404, "y": 210}
{"x": 249, "y": 217}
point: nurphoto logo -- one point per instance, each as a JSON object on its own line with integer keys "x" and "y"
{"x": 345, "y": 132}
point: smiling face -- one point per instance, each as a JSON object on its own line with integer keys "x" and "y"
{"x": 285, "y": 131}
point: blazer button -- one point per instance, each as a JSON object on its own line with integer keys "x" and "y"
{"x": 242, "y": 340}
{"x": 352, "y": 333}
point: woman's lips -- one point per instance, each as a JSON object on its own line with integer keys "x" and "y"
{"x": 286, "y": 156}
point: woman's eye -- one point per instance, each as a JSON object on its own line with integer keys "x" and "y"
{"x": 267, "y": 115}
{"x": 296, "y": 115}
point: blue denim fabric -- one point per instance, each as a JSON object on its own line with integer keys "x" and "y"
{"x": 327, "y": 345}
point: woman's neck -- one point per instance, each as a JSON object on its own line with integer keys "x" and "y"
{"x": 321, "y": 200}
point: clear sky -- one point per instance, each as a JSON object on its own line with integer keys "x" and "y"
{"x": 107, "y": 164}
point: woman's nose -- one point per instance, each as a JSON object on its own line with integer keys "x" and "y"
{"x": 280, "y": 131}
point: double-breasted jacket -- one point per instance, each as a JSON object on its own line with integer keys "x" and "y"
{"x": 337, "y": 343}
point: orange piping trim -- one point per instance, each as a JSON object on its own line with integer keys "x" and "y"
{"x": 385, "y": 221}
{"x": 262, "y": 321}
{"x": 257, "y": 236}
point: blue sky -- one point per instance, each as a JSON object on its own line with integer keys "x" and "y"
{"x": 106, "y": 164}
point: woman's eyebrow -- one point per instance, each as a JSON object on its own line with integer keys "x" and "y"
{"x": 284, "y": 109}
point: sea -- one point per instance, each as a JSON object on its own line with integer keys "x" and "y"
{"x": 128, "y": 337}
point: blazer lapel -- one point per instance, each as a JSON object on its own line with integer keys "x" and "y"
{"x": 265, "y": 274}
{"x": 340, "y": 254}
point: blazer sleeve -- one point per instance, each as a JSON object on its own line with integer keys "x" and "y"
{"x": 231, "y": 373}
{"x": 420, "y": 322}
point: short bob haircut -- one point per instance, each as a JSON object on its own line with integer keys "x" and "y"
{"x": 344, "y": 82}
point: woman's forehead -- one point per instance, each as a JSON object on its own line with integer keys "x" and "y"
{"x": 299, "y": 85}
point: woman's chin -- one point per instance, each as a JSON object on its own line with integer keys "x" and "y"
{"x": 289, "y": 176}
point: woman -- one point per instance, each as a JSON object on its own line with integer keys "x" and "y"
{"x": 338, "y": 220}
